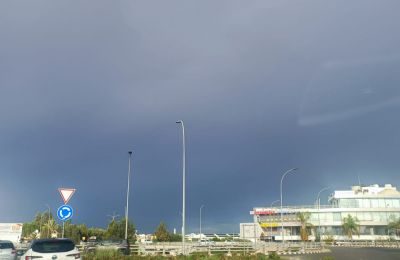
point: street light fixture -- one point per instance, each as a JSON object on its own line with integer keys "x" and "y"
{"x": 319, "y": 207}
{"x": 127, "y": 195}
{"x": 202, "y": 206}
{"x": 283, "y": 176}
{"x": 183, "y": 184}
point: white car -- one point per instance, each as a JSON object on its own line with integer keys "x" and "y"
{"x": 7, "y": 250}
{"x": 54, "y": 249}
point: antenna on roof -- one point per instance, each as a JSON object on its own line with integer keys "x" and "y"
{"x": 359, "y": 182}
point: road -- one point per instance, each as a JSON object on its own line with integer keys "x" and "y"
{"x": 341, "y": 253}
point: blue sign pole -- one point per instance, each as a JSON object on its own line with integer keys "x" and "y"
{"x": 64, "y": 213}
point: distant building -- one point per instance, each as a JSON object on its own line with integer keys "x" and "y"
{"x": 11, "y": 231}
{"x": 374, "y": 206}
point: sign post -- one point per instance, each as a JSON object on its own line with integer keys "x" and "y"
{"x": 65, "y": 212}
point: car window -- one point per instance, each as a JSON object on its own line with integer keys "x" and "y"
{"x": 53, "y": 246}
{"x": 6, "y": 245}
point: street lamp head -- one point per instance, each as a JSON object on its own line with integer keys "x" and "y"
{"x": 130, "y": 152}
{"x": 179, "y": 122}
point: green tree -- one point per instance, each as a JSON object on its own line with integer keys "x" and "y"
{"x": 305, "y": 226}
{"x": 39, "y": 226}
{"x": 75, "y": 232}
{"x": 116, "y": 230}
{"x": 51, "y": 227}
{"x": 162, "y": 234}
{"x": 350, "y": 226}
{"x": 28, "y": 229}
{"x": 99, "y": 233}
{"x": 175, "y": 237}
{"x": 394, "y": 225}
{"x": 113, "y": 230}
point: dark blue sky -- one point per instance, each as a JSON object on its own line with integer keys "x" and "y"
{"x": 262, "y": 86}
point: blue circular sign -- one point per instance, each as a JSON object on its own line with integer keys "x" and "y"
{"x": 65, "y": 212}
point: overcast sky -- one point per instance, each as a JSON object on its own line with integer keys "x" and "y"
{"x": 262, "y": 86}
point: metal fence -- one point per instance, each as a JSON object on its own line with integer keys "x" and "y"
{"x": 229, "y": 248}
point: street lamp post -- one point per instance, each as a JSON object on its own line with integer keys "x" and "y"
{"x": 271, "y": 220}
{"x": 202, "y": 206}
{"x": 127, "y": 195}
{"x": 48, "y": 220}
{"x": 283, "y": 176}
{"x": 319, "y": 207}
{"x": 183, "y": 184}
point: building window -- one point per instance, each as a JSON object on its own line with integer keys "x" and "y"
{"x": 366, "y": 203}
{"x": 337, "y": 216}
{"x": 380, "y": 231}
{"x": 374, "y": 203}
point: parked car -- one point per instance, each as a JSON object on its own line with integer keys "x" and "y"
{"x": 54, "y": 249}
{"x": 7, "y": 250}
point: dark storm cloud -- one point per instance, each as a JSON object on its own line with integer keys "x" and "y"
{"x": 83, "y": 82}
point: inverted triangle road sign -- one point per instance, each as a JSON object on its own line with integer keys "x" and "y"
{"x": 66, "y": 194}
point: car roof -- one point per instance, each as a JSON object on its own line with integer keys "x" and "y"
{"x": 5, "y": 241}
{"x": 51, "y": 240}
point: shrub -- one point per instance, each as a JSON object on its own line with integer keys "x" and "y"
{"x": 274, "y": 256}
{"x": 329, "y": 239}
{"x": 104, "y": 254}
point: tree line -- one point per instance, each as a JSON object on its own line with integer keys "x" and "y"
{"x": 44, "y": 225}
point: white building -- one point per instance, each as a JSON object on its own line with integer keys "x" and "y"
{"x": 11, "y": 231}
{"x": 374, "y": 206}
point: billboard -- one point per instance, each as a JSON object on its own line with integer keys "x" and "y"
{"x": 11, "y": 231}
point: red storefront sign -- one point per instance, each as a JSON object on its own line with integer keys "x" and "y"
{"x": 264, "y": 212}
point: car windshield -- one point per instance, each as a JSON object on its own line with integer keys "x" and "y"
{"x": 53, "y": 246}
{"x": 6, "y": 245}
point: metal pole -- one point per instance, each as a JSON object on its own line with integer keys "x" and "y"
{"x": 183, "y": 184}
{"x": 127, "y": 195}
{"x": 319, "y": 207}
{"x": 62, "y": 236}
{"x": 200, "y": 221}
{"x": 271, "y": 215}
{"x": 48, "y": 220}
{"x": 40, "y": 227}
{"x": 283, "y": 176}
{"x": 255, "y": 236}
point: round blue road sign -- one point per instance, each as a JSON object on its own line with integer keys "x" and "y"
{"x": 65, "y": 212}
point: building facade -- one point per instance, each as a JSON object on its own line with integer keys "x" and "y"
{"x": 374, "y": 207}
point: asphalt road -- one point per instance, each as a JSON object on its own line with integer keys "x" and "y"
{"x": 341, "y": 253}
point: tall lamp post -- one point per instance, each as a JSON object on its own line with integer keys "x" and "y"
{"x": 319, "y": 207}
{"x": 271, "y": 221}
{"x": 48, "y": 220}
{"x": 183, "y": 184}
{"x": 127, "y": 195}
{"x": 202, "y": 206}
{"x": 283, "y": 176}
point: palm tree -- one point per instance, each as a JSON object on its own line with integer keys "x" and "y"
{"x": 51, "y": 226}
{"x": 350, "y": 226}
{"x": 305, "y": 226}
